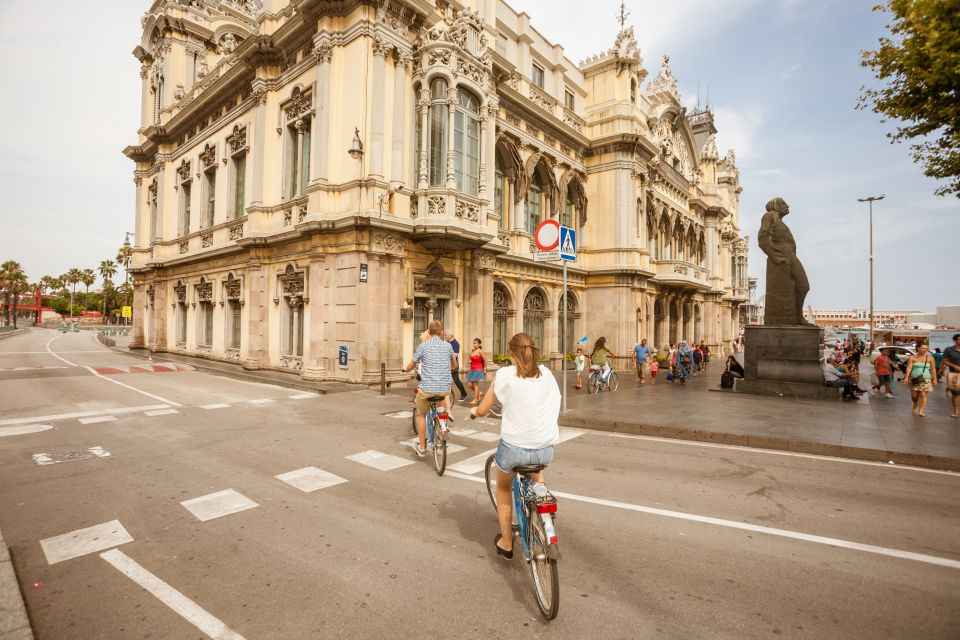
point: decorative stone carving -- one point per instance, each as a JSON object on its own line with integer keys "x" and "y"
{"x": 414, "y": 206}
{"x": 513, "y": 81}
{"x": 504, "y": 237}
{"x": 202, "y": 68}
{"x": 292, "y": 362}
{"x": 183, "y": 171}
{"x": 249, "y": 7}
{"x": 387, "y": 242}
{"x": 288, "y": 217}
{"x": 206, "y": 240}
{"x": 180, "y": 293}
{"x": 486, "y": 261}
{"x": 436, "y": 206}
{"x": 205, "y": 291}
{"x": 184, "y": 246}
{"x": 179, "y": 92}
{"x": 238, "y": 139}
{"x": 679, "y": 268}
{"x": 573, "y": 121}
{"x": 513, "y": 119}
{"x": 232, "y": 354}
{"x": 301, "y": 103}
{"x": 540, "y": 98}
{"x": 467, "y": 211}
{"x": 208, "y": 157}
{"x": 709, "y": 151}
{"x": 292, "y": 282}
{"x": 232, "y": 287}
{"x": 236, "y": 232}
{"x": 228, "y": 43}
{"x": 323, "y": 52}
{"x": 432, "y": 287}
{"x": 301, "y": 212}
{"x": 665, "y": 82}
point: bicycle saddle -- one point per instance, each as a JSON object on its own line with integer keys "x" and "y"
{"x": 529, "y": 468}
{"x": 435, "y": 398}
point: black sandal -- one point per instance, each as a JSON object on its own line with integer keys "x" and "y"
{"x": 501, "y": 551}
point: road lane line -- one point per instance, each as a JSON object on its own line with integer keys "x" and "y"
{"x": 746, "y": 526}
{"x": 50, "y": 351}
{"x": 24, "y": 430}
{"x": 34, "y": 353}
{"x": 187, "y": 608}
{"x": 98, "y": 419}
{"x": 215, "y": 406}
{"x": 262, "y": 401}
{"x": 773, "y": 452}
{"x": 161, "y": 412}
{"x": 126, "y": 386}
{"x": 82, "y": 414}
{"x": 81, "y": 542}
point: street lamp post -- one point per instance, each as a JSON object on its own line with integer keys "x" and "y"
{"x": 871, "y": 200}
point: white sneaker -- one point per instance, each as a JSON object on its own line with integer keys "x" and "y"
{"x": 417, "y": 450}
{"x": 889, "y": 395}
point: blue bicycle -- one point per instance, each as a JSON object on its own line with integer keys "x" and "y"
{"x": 538, "y": 536}
{"x": 437, "y": 430}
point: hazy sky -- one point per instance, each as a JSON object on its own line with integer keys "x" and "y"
{"x": 783, "y": 78}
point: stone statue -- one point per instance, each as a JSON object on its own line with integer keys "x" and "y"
{"x": 787, "y": 284}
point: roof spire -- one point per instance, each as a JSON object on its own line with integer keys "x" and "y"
{"x": 623, "y": 15}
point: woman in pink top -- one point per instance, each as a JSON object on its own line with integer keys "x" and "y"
{"x": 478, "y": 365}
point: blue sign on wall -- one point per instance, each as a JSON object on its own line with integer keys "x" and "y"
{"x": 344, "y": 356}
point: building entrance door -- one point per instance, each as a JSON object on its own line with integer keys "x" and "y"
{"x": 426, "y": 310}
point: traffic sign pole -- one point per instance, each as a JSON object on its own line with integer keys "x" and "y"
{"x": 563, "y": 334}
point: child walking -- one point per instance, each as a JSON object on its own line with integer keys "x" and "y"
{"x": 654, "y": 367}
{"x": 581, "y": 362}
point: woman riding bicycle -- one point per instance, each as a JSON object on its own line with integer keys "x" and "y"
{"x": 599, "y": 357}
{"x": 528, "y": 430}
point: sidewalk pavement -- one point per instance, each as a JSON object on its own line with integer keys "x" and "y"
{"x": 871, "y": 428}
{"x": 14, "y": 624}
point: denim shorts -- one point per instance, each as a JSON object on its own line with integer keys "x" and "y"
{"x": 884, "y": 379}
{"x": 508, "y": 456}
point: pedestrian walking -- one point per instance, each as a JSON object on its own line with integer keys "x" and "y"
{"x": 654, "y": 368}
{"x": 672, "y": 364}
{"x": 938, "y": 360}
{"x": 951, "y": 362}
{"x": 455, "y": 370}
{"x": 640, "y": 352}
{"x": 581, "y": 362}
{"x": 705, "y": 350}
{"x": 922, "y": 375}
{"x": 477, "y": 372}
{"x": 884, "y": 370}
{"x": 684, "y": 362}
{"x": 697, "y": 361}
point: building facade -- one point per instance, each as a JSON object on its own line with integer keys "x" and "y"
{"x": 858, "y": 317}
{"x": 314, "y": 175}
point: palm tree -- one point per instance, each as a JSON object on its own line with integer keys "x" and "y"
{"x": 7, "y": 268}
{"x": 72, "y": 277}
{"x": 16, "y": 282}
{"x": 107, "y": 269}
{"x": 87, "y": 277}
{"x": 124, "y": 256}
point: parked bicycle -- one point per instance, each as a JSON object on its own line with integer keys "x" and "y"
{"x": 535, "y": 528}
{"x": 598, "y": 382}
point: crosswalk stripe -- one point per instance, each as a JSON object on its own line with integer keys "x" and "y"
{"x": 97, "y": 419}
{"x": 161, "y": 412}
{"x": 215, "y": 406}
{"x": 379, "y": 460}
{"x": 219, "y": 504}
{"x": 472, "y": 465}
{"x": 310, "y": 479}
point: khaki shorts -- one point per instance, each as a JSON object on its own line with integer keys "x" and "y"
{"x": 423, "y": 400}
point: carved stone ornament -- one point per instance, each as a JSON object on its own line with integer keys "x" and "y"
{"x": 467, "y": 211}
{"x": 709, "y": 151}
{"x": 486, "y": 261}
{"x": 323, "y": 52}
{"x": 432, "y": 288}
{"x": 436, "y": 206}
{"x": 208, "y": 157}
{"x": 179, "y": 92}
{"x": 184, "y": 246}
{"x": 236, "y": 232}
{"x": 301, "y": 103}
{"x": 238, "y": 139}
{"x": 387, "y": 242}
{"x": 540, "y": 98}
{"x": 206, "y": 240}
{"x": 288, "y": 217}
{"x": 232, "y": 287}
{"x": 180, "y": 293}
{"x": 573, "y": 121}
{"x": 228, "y": 43}
{"x": 301, "y": 212}
{"x": 679, "y": 268}
{"x": 292, "y": 282}
{"x": 665, "y": 82}
{"x": 183, "y": 171}
{"x": 414, "y": 206}
{"x": 205, "y": 291}
{"x": 504, "y": 237}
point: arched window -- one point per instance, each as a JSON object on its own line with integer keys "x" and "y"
{"x": 667, "y": 241}
{"x": 501, "y": 311}
{"x": 439, "y": 118}
{"x": 417, "y": 134}
{"x": 566, "y": 339}
{"x": 567, "y": 213}
{"x": 500, "y": 194}
{"x": 536, "y": 201}
{"x": 466, "y": 142}
{"x": 534, "y": 311}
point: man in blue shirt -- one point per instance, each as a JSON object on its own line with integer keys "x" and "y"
{"x": 436, "y": 360}
{"x": 641, "y": 351}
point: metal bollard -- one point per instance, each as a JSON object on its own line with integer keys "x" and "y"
{"x": 383, "y": 378}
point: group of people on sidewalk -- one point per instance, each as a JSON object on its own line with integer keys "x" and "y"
{"x": 921, "y": 372}
{"x": 682, "y": 361}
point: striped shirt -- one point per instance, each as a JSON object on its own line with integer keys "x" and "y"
{"x": 435, "y": 357}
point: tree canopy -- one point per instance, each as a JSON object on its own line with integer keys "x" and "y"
{"x": 919, "y": 66}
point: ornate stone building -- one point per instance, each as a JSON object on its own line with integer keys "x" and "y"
{"x": 313, "y": 174}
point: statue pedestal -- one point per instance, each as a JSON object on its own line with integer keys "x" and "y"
{"x": 784, "y": 361}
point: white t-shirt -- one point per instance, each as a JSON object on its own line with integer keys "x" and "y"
{"x": 530, "y": 408}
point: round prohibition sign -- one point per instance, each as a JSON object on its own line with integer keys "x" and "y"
{"x": 547, "y": 235}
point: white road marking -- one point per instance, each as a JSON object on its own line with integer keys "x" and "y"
{"x": 83, "y": 541}
{"x": 126, "y": 386}
{"x": 81, "y": 414}
{"x": 50, "y": 351}
{"x": 43, "y": 459}
{"x": 24, "y": 353}
{"x": 474, "y": 464}
{"x": 461, "y": 432}
{"x": 187, "y": 608}
{"x": 161, "y": 412}
{"x": 215, "y": 406}
{"x": 451, "y": 448}
{"x": 746, "y": 526}
{"x": 262, "y": 401}
{"x": 303, "y": 396}
{"x": 773, "y": 452}
{"x": 310, "y": 479}
{"x": 379, "y": 460}
{"x": 97, "y": 419}
{"x": 569, "y": 434}
{"x": 485, "y": 436}
{"x": 219, "y": 504}
{"x": 100, "y": 452}
{"x": 400, "y": 414}
{"x": 19, "y": 431}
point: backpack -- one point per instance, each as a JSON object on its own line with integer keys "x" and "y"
{"x": 726, "y": 380}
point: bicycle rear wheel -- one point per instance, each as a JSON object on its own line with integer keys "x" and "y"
{"x": 613, "y": 383}
{"x": 413, "y": 419}
{"x": 592, "y": 383}
{"x": 439, "y": 447}
{"x": 490, "y": 475}
{"x": 543, "y": 569}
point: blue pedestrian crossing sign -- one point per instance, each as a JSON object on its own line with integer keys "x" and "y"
{"x": 568, "y": 244}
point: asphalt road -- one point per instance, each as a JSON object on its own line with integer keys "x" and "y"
{"x": 659, "y": 538}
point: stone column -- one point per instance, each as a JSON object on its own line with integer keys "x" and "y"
{"x": 377, "y": 89}
{"x": 140, "y": 209}
{"x": 258, "y": 148}
{"x": 394, "y": 350}
{"x": 399, "y": 116}
{"x": 321, "y": 125}
{"x": 423, "y": 112}
{"x": 258, "y": 324}
{"x": 451, "y": 113}
{"x": 139, "y": 316}
{"x": 161, "y": 311}
{"x": 315, "y": 361}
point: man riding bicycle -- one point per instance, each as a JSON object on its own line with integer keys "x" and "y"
{"x": 436, "y": 359}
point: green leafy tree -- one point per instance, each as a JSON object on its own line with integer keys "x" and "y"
{"x": 7, "y": 270}
{"x": 16, "y": 283}
{"x": 107, "y": 269}
{"x": 72, "y": 277}
{"x": 87, "y": 277}
{"x": 920, "y": 68}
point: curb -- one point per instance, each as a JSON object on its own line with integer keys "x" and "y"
{"x": 764, "y": 442}
{"x": 14, "y": 624}
{"x": 10, "y": 334}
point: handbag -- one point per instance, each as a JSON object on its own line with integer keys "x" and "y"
{"x": 920, "y": 379}
{"x": 953, "y": 381}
